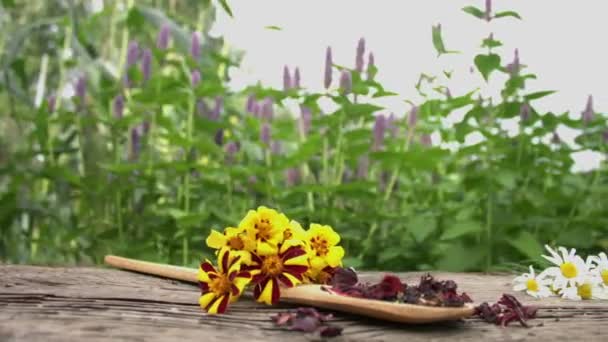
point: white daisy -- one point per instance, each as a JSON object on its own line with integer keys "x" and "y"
{"x": 600, "y": 268}
{"x": 590, "y": 288}
{"x": 534, "y": 285}
{"x": 570, "y": 269}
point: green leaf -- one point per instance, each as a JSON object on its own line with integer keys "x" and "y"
{"x": 474, "y": 11}
{"x": 272, "y": 27}
{"x": 491, "y": 43}
{"x": 459, "y": 229}
{"x": 422, "y": 226}
{"x": 226, "y": 8}
{"x": 390, "y": 253}
{"x": 527, "y": 245}
{"x": 487, "y": 63}
{"x": 352, "y": 262}
{"x": 458, "y": 258}
{"x": 135, "y": 19}
{"x": 507, "y": 14}
{"x": 539, "y": 94}
{"x": 438, "y": 41}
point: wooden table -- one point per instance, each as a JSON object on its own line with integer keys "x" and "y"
{"x": 86, "y": 304}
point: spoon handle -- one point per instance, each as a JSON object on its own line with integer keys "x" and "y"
{"x": 161, "y": 270}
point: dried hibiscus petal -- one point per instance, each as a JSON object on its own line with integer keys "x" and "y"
{"x": 505, "y": 311}
{"x": 307, "y": 320}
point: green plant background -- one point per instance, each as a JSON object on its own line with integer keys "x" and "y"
{"x": 73, "y": 189}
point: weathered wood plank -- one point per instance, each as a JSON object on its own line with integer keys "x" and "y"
{"x": 63, "y": 304}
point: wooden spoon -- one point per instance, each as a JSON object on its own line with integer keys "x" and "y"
{"x": 313, "y": 295}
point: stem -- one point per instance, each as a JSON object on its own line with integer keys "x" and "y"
{"x": 489, "y": 232}
{"x": 339, "y": 161}
{"x": 189, "y": 127}
{"x": 393, "y": 179}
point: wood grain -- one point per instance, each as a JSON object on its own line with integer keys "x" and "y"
{"x": 97, "y": 304}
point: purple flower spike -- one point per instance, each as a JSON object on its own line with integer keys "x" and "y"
{"x": 195, "y": 46}
{"x": 81, "y": 88}
{"x": 524, "y": 112}
{"x": 379, "y": 130}
{"x": 51, "y": 100}
{"x": 412, "y": 118}
{"x": 292, "y": 176}
{"x": 296, "y": 78}
{"x": 346, "y": 82}
{"x": 514, "y": 67}
{"x": 135, "y": 143}
{"x": 605, "y": 136}
{"x": 305, "y": 119}
{"x": 360, "y": 55}
{"x": 267, "y": 109}
{"x": 162, "y": 41}
{"x": 426, "y": 140}
{"x": 231, "y": 149}
{"x": 202, "y": 109}
{"x": 286, "y": 78}
{"x": 275, "y": 147}
{"x": 249, "y": 106}
{"x": 217, "y": 109}
{"x": 195, "y": 78}
{"x": 328, "y": 68}
{"x": 265, "y": 134}
{"x": 371, "y": 65}
{"x": 132, "y": 53}
{"x": 488, "y": 12}
{"x": 118, "y": 106}
{"x": 391, "y": 125}
{"x": 362, "y": 167}
{"x": 587, "y": 114}
{"x": 257, "y": 110}
{"x": 146, "y": 64}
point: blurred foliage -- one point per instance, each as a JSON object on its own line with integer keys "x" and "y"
{"x": 79, "y": 180}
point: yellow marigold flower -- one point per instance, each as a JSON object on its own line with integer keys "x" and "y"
{"x": 221, "y": 286}
{"x": 265, "y": 226}
{"x": 323, "y": 250}
{"x": 295, "y": 231}
{"x": 233, "y": 239}
{"x": 287, "y": 267}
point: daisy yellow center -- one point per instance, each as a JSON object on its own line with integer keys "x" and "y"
{"x": 264, "y": 229}
{"x": 584, "y": 291}
{"x": 568, "y": 270}
{"x": 320, "y": 245}
{"x": 236, "y": 242}
{"x": 220, "y": 285}
{"x": 272, "y": 265}
{"x": 532, "y": 285}
{"x": 604, "y": 275}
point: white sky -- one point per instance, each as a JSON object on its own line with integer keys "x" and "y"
{"x": 563, "y": 42}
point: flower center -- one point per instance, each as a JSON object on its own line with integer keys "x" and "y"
{"x": 532, "y": 285}
{"x": 236, "y": 242}
{"x": 272, "y": 265}
{"x": 568, "y": 270}
{"x": 320, "y": 245}
{"x": 604, "y": 274}
{"x": 584, "y": 291}
{"x": 220, "y": 285}
{"x": 287, "y": 234}
{"x": 264, "y": 229}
